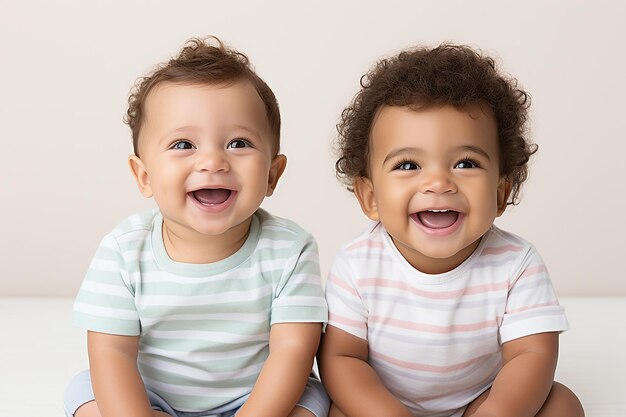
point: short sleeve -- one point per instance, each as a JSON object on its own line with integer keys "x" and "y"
{"x": 105, "y": 302}
{"x": 346, "y": 310}
{"x": 532, "y": 306}
{"x": 299, "y": 296}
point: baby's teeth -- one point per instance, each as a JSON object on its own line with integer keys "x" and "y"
{"x": 438, "y": 211}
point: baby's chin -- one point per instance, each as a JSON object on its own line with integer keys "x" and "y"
{"x": 434, "y": 258}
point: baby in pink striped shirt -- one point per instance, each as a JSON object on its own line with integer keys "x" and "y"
{"x": 434, "y": 311}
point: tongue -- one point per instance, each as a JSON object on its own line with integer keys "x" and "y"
{"x": 212, "y": 196}
{"x": 439, "y": 220}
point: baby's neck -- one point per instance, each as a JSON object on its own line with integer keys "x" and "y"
{"x": 435, "y": 266}
{"x": 183, "y": 245}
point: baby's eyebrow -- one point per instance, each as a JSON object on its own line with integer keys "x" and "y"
{"x": 167, "y": 136}
{"x": 413, "y": 150}
{"x": 397, "y": 152}
{"x": 181, "y": 129}
{"x": 476, "y": 149}
{"x": 248, "y": 129}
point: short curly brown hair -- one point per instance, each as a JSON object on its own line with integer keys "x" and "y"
{"x": 448, "y": 74}
{"x": 202, "y": 61}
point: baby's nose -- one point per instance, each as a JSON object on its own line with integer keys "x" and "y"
{"x": 212, "y": 161}
{"x": 437, "y": 181}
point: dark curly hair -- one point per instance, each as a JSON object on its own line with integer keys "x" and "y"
{"x": 202, "y": 61}
{"x": 448, "y": 74}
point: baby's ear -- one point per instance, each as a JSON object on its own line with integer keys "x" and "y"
{"x": 504, "y": 191}
{"x": 364, "y": 192}
{"x": 141, "y": 175}
{"x": 279, "y": 163}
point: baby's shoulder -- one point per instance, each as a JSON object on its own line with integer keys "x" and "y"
{"x": 501, "y": 243}
{"x": 135, "y": 225}
{"x": 275, "y": 228}
{"x": 371, "y": 241}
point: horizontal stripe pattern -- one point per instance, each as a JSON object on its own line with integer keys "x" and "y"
{"x": 204, "y": 329}
{"x": 435, "y": 340}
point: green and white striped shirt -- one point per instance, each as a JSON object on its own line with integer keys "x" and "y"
{"x": 204, "y": 328}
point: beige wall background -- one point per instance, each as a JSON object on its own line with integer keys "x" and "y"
{"x": 67, "y": 66}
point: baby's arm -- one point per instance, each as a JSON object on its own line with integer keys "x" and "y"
{"x": 285, "y": 372}
{"x": 351, "y": 382}
{"x": 525, "y": 380}
{"x": 117, "y": 386}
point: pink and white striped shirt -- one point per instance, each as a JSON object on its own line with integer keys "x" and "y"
{"x": 435, "y": 340}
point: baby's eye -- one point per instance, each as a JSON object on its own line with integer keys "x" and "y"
{"x": 406, "y": 166}
{"x": 467, "y": 163}
{"x": 238, "y": 143}
{"x": 182, "y": 145}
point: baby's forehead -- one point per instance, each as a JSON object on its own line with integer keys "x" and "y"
{"x": 400, "y": 116}
{"x": 474, "y": 109}
{"x": 240, "y": 86}
{"x": 411, "y": 127}
{"x": 238, "y": 97}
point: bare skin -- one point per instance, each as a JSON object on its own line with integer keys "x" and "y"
{"x": 561, "y": 402}
{"x": 351, "y": 382}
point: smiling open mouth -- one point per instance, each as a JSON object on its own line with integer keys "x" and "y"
{"x": 438, "y": 219}
{"x": 211, "y": 196}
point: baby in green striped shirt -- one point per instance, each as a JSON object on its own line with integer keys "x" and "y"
{"x": 206, "y": 305}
